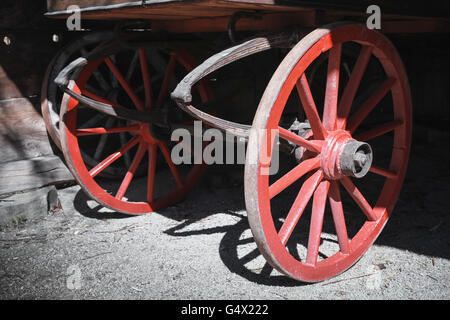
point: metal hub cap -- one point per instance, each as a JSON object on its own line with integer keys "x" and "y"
{"x": 344, "y": 156}
{"x": 356, "y": 159}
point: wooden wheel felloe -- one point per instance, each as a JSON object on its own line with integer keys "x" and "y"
{"x": 146, "y": 148}
{"x": 352, "y": 163}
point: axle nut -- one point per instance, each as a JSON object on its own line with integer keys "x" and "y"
{"x": 356, "y": 159}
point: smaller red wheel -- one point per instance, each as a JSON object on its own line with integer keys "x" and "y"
{"x": 344, "y": 148}
{"x": 106, "y": 86}
{"x": 147, "y": 148}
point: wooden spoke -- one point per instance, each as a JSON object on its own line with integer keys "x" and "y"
{"x": 310, "y": 108}
{"x": 132, "y": 66}
{"x": 103, "y": 139}
{"x": 146, "y": 79}
{"x": 311, "y": 145}
{"x": 364, "y": 110}
{"x": 100, "y": 130}
{"x": 383, "y": 172}
{"x": 98, "y": 75}
{"x": 163, "y": 92}
{"x": 92, "y": 89}
{"x": 126, "y": 156}
{"x": 92, "y": 121}
{"x": 379, "y": 130}
{"x": 99, "y": 98}
{"x": 151, "y": 171}
{"x": 315, "y": 230}
{"x": 131, "y": 171}
{"x": 332, "y": 88}
{"x": 359, "y": 199}
{"x": 113, "y": 157}
{"x": 334, "y": 197}
{"x": 112, "y": 77}
{"x": 293, "y": 175}
{"x": 299, "y": 205}
{"x": 352, "y": 86}
{"x": 125, "y": 85}
{"x": 169, "y": 161}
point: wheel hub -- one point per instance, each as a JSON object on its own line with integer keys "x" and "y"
{"x": 145, "y": 132}
{"x": 343, "y": 156}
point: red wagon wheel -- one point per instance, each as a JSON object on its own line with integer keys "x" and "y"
{"x": 145, "y": 146}
{"x": 335, "y": 168}
{"x": 106, "y": 86}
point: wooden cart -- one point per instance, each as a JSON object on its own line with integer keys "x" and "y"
{"x": 335, "y": 117}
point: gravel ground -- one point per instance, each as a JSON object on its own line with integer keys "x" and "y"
{"x": 198, "y": 249}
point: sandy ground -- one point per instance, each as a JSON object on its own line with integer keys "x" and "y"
{"x": 202, "y": 248}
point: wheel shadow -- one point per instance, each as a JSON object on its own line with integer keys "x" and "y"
{"x": 419, "y": 222}
{"x": 82, "y": 204}
{"x": 187, "y": 213}
{"x": 235, "y": 236}
{"x": 265, "y": 275}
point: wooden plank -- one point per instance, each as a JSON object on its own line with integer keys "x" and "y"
{"x": 424, "y": 26}
{"x": 60, "y": 5}
{"x": 207, "y": 16}
{"x": 22, "y": 131}
{"x": 56, "y": 7}
{"x": 17, "y": 176}
{"x": 107, "y": 9}
{"x": 20, "y": 208}
{"x": 273, "y": 22}
{"x": 213, "y": 15}
{"x": 164, "y": 9}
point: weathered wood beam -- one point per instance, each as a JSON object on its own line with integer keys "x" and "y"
{"x": 17, "y": 176}
{"x": 35, "y": 204}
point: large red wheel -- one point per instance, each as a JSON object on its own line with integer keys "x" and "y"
{"x": 346, "y": 168}
{"x": 148, "y": 147}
